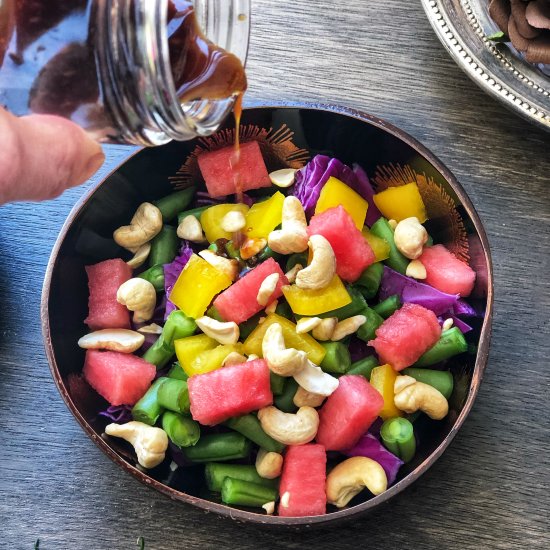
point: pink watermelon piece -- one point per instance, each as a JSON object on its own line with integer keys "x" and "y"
{"x": 239, "y": 302}
{"x": 104, "y": 279}
{"x": 348, "y": 413}
{"x": 446, "y": 272}
{"x": 404, "y": 336}
{"x": 303, "y": 478}
{"x": 220, "y": 177}
{"x": 230, "y": 391}
{"x": 121, "y": 378}
{"x": 353, "y": 253}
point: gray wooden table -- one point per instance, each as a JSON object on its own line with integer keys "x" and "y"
{"x": 491, "y": 488}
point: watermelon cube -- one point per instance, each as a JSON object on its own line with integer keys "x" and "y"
{"x": 231, "y": 391}
{"x": 302, "y": 486}
{"x": 348, "y": 413}
{"x": 446, "y": 272}
{"x": 220, "y": 176}
{"x": 239, "y": 302}
{"x": 121, "y": 378}
{"x": 404, "y": 336}
{"x": 353, "y": 253}
{"x": 104, "y": 279}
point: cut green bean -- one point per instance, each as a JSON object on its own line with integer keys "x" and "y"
{"x": 246, "y": 327}
{"x": 155, "y": 275}
{"x": 195, "y": 212}
{"x": 164, "y": 246}
{"x": 178, "y": 325}
{"x": 381, "y": 228}
{"x": 364, "y": 366}
{"x": 430, "y": 241}
{"x": 244, "y": 493}
{"x": 174, "y": 395}
{"x": 284, "y": 310}
{"x": 367, "y": 331}
{"x": 337, "y": 359}
{"x": 148, "y": 409}
{"x": 285, "y": 401}
{"x": 181, "y": 430}
{"x": 397, "y": 435}
{"x": 277, "y": 383}
{"x": 294, "y": 259}
{"x": 233, "y": 252}
{"x": 355, "y": 307}
{"x": 369, "y": 281}
{"x": 450, "y": 343}
{"x": 159, "y": 354}
{"x": 388, "y": 307}
{"x": 173, "y": 203}
{"x": 214, "y": 314}
{"x": 267, "y": 253}
{"x": 177, "y": 372}
{"x": 219, "y": 448}
{"x": 249, "y": 426}
{"x": 441, "y": 380}
{"x": 216, "y": 472}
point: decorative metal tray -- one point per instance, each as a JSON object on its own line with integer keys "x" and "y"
{"x": 463, "y": 27}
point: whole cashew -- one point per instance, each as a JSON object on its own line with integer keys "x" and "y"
{"x": 351, "y": 476}
{"x": 145, "y": 224}
{"x": 292, "y": 237}
{"x": 410, "y": 236}
{"x": 149, "y": 443}
{"x": 280, "y": 359}
{"x": 139, "y": 296}
{"x": 320, "y": 272}
{"x": 114, "y": 339}
{"x": 269, "y": 464}
{"x": 224, "y": 333}
{"x": 314, "y": 380}
{"x": 287, "y": 428}
{"x": 304, "y": 398}
{"x": 140, "y": 256}
{"x": 411, "y": 396}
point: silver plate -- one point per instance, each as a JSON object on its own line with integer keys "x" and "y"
{"x": 463, "y": 27}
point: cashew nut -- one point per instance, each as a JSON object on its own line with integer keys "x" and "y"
{"x": 252, "y": 357}
{"x": 314, "y": 380}
{"x": 348, "y": 326}
{"x": 233, "y": 221}
{"x": 447, "y": 324}
{"x": 292, "y": 237}
{"x": 325, "y": 329}
{"x": 114, "y": 339}
{"x": 285, "y": 499}
{"x": 153, "y": 328}
{"x": 411, "y": 396}
{"x": 234, "y": 358}
{"x": 351, "y": 476}
{"x": 410, "y": 236}
{"x": 392, "y": 223}
{"x": 144, "y": 225}
{"x": 269, "y": 464}
{"x": 287, "y": 428}
{"x": 224, "y": 333}
{"x": 320, "y": 272}
{"x": 416, "y": 270}
{"x": 267, "y": 288}
{"x": 269, "y": 507}
{"x": 140, "y": 256}
{"x": 304, "y": 398}
{"x": 190, "y": 229}
{"x": 281, "y": 360}
{"x": 272, "y": 307}
{"x": 251, "y": 247}
{"x": 291, "y": 273}
{"x": 149, "y": 443}
{"x": 307, "y": 324}
{"x": 139, "y": 296}
{"x": 228, "y": 266}
{"x": 283, "y": 178}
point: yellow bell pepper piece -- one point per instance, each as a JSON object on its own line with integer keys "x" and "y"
{"x": 212, "y": 359}
{"x": 263, "y": 217}
{"x": 383, "y": 379}
{"x": 253, "y": 344}
{"x": 188, "y": 348}
{"x": 197, "y": 285}
{"x": 211, "y": 220}
{"x": 398, "y": 203}
{"x": 314, "y": 302}
{"x": 336, "y": 192}
{"x": 380, "y": 247}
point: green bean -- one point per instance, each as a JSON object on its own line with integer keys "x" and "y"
{"x": 369, "y": 280}
{"x": 246, "y": 328}
{"x": 430, "y": 241}
{"x": 249, "y": 426}
{"x": 164, "y": 246}
{"x": 155, "y": 275}
{"x": 381, "y": 228}
{"x": 245, "y": 493}
{"x": 159, "y": 354}
{"x": 277, "y": 383}
{"x": 397, "y": 435}
{"x": 355, "y": 307}
{"x": 388, "y": 307}
{"x": 178, "y": 325}
{"x": 173, "y": 203}
{"x": 294, "y": 259}
{"x": 181, "y": 430}
{"x": 284, "y": 310}
{"x": 219, "y": 448}
{"x": 214, "y": 314}
{"x": 337, "y": 359}
{"x": 285, "y": 401}
{"x": 174, "y": 395}
{"x": 267, "y": 253}
{"x": 367, "y": 331}
{"x": 233, "y": 252}
{"x": 148, "y": 409}
{"x": 216, "y": 472}
{"x": 177, "y": 372}
{"x": 441, "y": 380}
{"x": 195, "y": 212}
{"x": 451, "y": 342}
{"x": 364, "y": 366}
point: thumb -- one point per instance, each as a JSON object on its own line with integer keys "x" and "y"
{"x": 42, "y": 155}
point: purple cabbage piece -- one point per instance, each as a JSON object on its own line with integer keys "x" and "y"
{"x": 364, "y": 188}
{"x": 464, "y": 308}
{"x": 172, "y": 272}
{"x": 358, "y": 349}
{"x": 118, "y": 413}
{"x": 370, "y": 447}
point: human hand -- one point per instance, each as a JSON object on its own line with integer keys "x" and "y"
{"x": 42, "y": 155}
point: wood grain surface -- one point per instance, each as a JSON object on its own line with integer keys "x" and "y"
{"x": 491, "y": 488}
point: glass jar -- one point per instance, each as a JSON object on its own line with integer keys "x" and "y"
{"x": 109, "y": 65}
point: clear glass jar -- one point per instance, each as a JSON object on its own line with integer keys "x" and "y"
{"x": 106, "y": 65}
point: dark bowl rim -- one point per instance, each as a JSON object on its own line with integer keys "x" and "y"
{"x": 256, "y": 518}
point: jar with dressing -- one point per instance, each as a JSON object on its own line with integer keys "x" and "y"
{"x": 142, "y": 72}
